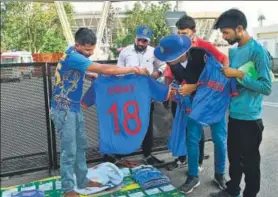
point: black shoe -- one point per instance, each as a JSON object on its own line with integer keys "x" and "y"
{"x": 220, "y": 180}
{"x": 222, "y": 194}
{"x": 190, "y": 183}
{"x": 111, "y": 158}
{"x": 177, "y": 165}
{"x": 206, "y": 157}
{"x": 152, "y": 160}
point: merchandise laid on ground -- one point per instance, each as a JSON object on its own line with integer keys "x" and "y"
{"x": 143, "y": 180}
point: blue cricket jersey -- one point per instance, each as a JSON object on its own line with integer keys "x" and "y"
{"x": 213, "y": 94}
{"x": 177, "y": 139}
{"x": 123, "y": 109}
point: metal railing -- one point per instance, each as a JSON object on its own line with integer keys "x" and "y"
{"x": 25, "y": 130}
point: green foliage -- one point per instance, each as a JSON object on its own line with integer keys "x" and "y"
{"x": 145, "y": 13}
{"x": 32, "y": 26}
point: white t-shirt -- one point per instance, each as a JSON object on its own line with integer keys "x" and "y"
{"x": 146, "y": 59}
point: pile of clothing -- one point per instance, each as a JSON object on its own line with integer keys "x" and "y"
{"x": 108, "y": 174}
{"x": 149, "y": 177}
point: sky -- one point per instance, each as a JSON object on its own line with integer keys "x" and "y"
{"x": 250, "y": 8}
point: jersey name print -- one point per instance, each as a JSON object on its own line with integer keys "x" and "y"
{"x": 123, "y": 109}
{"x": 213, "y": 94}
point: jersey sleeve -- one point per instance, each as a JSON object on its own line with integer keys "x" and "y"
{"x": 89, "y": 97}
{"x": 233, "y": 88}
{"x": 263, "y": 84}
{"x": 78, "y": 62}
{"x": 168, "y": 73}
{"x": 158, "y": 91}
{"x": 157, "y": 64}
{"x": 221, "y": 57}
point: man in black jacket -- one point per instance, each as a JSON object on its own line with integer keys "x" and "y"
{"x": 187, "y": 64}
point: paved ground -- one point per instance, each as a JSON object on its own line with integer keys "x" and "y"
{"x": 269, "y": 155}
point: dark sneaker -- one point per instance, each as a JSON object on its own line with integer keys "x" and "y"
{"x": 222, "y": 194}
{"x": 206, "y": 157}
{"x": 111, "y": 158}
{"x": 220, "y": 180}
{"x": 190, "y": 183}
{"x": 177, "y": 165}
{"x": 152, "y": 160}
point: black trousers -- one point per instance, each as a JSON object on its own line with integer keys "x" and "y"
{"x": 244, "y": 139}
{"x": 202, "y": 141}
{"x": 148, "y": 140}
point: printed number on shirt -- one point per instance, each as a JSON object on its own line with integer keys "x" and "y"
{"x": 127, "y": 116}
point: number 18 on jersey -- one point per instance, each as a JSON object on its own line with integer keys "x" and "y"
{"x": 123, "y": 108}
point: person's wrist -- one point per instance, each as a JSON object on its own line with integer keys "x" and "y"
{"x": 154, "y": 75}
{"x": 240, "y": 75}
{"x": 135, "y": 69}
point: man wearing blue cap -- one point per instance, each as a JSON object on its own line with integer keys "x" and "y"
{"x": 175, "y": 49}
{"x": 142, "y": 55}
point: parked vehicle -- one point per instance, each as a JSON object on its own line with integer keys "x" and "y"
{"x": 274, "y": 66}
{"x": 16, "y": 72}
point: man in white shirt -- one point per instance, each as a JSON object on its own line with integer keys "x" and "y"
{"x": 142, "y": 55}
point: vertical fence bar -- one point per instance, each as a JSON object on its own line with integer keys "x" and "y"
{"x": 47, "y": 114}
{"x": 53, "y": 133}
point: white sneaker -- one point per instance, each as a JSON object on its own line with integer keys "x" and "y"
{"x": 201, "y": 168}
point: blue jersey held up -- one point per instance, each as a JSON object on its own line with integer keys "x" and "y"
{"x": 213, "y": 94}
{"x": 177, "y": 139}
{"x": 123, "y": 109}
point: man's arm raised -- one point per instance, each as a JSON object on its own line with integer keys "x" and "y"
{"x": 109, "y": 69}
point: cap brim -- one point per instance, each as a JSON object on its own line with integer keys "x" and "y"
{"x": 172, "y": 57}
{"x": 143, "y": 37}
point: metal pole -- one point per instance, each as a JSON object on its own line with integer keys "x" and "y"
{"x": 64, "y": 22}
{"x": 53, "y": 133}
{"x": 47, "y": 116}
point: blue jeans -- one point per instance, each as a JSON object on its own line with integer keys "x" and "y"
{"x": 219, "y": 138}
{"x": 73, "y": 144}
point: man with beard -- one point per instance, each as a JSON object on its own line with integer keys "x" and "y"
{"x": 245, "y": 125}
{"x": 142, "y": 55}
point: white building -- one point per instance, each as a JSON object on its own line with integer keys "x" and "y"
{"x": 268, "y": 37}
